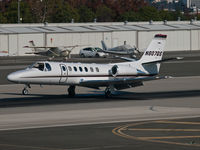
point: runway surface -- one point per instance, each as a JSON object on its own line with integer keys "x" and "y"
{"x": 180, "y": 134}
{"x": 48, "y": 119}
{"x": 162, "y": 114}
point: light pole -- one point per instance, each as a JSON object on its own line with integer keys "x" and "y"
{"x": 45, "y": 11}
{"x": 18, "y": 11}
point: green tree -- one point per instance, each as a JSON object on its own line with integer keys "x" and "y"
{"x": 2, "y": 18}
{"x": 166, "y": 15}
{"x": 104, "y": 14}
{"x": 11, "y": 12}
{"x": 63, "y": 12}
{"x": 177, "y": 14}
{"x": 86, "y": 14}
{"x": 149, "y": 13}
{"x": 129, "y": 16}
{"x": 25, "y": 12}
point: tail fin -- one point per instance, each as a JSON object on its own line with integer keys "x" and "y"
{"x": 104, "y": 45}
{"x": 32, "y": 45}
{"x": 154, "y": 52}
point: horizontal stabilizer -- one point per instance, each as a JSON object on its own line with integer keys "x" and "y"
{"x": 163, "y": 60}
{"x": 36, "y": 53}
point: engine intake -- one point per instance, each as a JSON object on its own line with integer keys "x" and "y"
{"x": 114, "y": 70}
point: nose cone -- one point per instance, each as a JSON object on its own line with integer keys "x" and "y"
{"x": 13, "y": 77}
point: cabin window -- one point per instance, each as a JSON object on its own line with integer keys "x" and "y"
{"x": 91, "y": 69}
{"x": 80, "y": 69}
{"x": 86, "y": 69}
{"x": 70, "y": 68}
{"x": 48, "y": 66}
{"x": 97, "y": 69}
{"x": 75, "y": 69}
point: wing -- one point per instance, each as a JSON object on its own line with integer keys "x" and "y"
{"x": 126, "y": 82}
{"x": 38, "y": 47}
{"x": 115, "y": 52}
{"x": 51, "y": 46}
{"x": 126, "y": 58}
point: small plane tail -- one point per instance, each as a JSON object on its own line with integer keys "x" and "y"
{"x": 104, "y": 45}
{"x": 33, "y": 47}
{"x": 152, "y": 57}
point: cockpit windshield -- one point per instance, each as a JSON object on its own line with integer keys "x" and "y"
{"x": 41, "y": 66}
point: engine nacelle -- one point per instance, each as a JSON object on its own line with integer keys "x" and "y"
{"x": 114, "y": 70}
{"x": 123, "y": 70}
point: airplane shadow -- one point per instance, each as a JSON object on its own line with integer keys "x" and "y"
{"x": 39, "y": 99}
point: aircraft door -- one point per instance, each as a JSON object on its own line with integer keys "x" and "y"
{"x": 64, "y": 73}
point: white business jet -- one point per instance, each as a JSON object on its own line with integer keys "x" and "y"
{"x": 115, "y": 76}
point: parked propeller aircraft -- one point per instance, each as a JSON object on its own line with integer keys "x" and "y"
{"x": 121, "y": 50}
{"x": 50, "y": 51}
{"x": 115, "y": 76}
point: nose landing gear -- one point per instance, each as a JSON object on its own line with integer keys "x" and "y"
{"x": 25, "y": 90}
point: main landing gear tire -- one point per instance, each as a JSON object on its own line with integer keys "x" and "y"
{"x": 25, "y": 91}
{"x": 97, "y": 56}
{"x": 82, "y": 56}
{"x": 71, "y": 91}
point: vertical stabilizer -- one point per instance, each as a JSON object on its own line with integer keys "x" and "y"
{"x": 104, "y": 45}
{"x": 32, "y": 45}
{"x": 153, "y": 55}
{"x": 154, "y": 52}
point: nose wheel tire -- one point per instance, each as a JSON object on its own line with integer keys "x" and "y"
{"x": 25, "y": 91}
{"x": 71, "y": 91}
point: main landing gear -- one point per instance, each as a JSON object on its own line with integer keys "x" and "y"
{"x": 71, "y": 91}
{"x": 25, "y": 90}
{"x": 109, "y": 92}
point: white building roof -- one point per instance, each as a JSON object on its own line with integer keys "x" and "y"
{"x": 97, "y": 27}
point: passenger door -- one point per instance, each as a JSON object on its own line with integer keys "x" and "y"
{"x": 64, "y": 73}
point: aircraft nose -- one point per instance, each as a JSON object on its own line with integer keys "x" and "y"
{"x": 13, "y": 77}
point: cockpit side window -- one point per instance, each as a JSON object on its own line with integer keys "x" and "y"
{"x": 48, "y": 66}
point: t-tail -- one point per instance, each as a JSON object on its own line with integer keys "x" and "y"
{"x": 152, "y": 57}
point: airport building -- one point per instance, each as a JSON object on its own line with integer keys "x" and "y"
{"x": 191, "y": 3}
{"x": 182, "y": 36}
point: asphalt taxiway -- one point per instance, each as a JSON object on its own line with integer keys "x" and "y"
{"x": 179, "y": 134}
{"x": 135, "y": 118}
{"x": 162, "y": 114}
